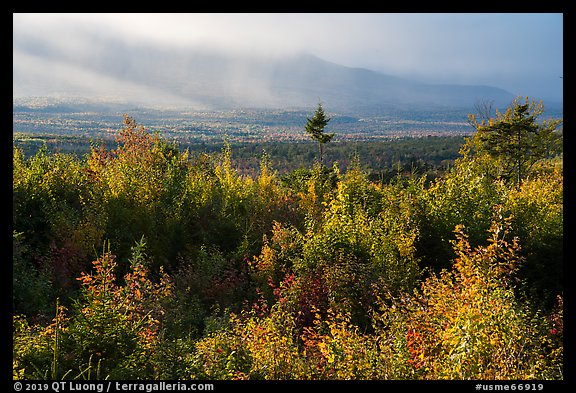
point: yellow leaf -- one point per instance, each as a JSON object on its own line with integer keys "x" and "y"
{"x": 330, "y": 358}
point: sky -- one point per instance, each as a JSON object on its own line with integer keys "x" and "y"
{"x": 521, "y": 53}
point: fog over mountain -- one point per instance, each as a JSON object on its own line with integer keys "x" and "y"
{"x": 203, "y": 77}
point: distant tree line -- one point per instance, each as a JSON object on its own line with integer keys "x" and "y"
{"x": 382, "y": 158}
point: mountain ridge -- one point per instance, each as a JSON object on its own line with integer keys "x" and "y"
{"x": 206, "y": 78}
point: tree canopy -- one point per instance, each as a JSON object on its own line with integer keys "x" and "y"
{"x": 516, "y": 139}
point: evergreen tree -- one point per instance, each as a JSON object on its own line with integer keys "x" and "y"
{"x": 315, "y": 128}
{"x": 517, "y": 140}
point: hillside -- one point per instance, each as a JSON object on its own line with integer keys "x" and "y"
{"x": 205, "y": 78}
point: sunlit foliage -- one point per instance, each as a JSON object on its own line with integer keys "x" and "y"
{"x": 515, "y": 139}
{"x": 208, "y": 273}
{"x": 466, "y": 323}
{"x": 112, "y": 332}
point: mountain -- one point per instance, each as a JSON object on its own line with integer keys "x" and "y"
{"x": 205, "y": 78}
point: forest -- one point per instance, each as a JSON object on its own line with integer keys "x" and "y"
{"x": 381, "y": 159}
{"x": 146, "y": 261}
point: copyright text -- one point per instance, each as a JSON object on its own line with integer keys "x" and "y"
{"x": 110, "y": 386}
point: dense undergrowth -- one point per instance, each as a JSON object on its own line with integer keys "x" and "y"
{"x": 145, "y": 262}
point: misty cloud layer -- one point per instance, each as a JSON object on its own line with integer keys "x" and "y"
{"x": 196, "y": 59}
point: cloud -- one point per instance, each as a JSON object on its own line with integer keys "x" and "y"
{"x": 518, "y": 52}
{"x": 43, "y": 76}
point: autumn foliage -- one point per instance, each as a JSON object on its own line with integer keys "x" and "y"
{"x": 206, "y": 273}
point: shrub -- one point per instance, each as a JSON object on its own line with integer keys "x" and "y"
{"x": 467, "y": 324}
{"x": 538, "y": 210}
{"x": 113, "y": 332}
{"x": 31, "y": 287}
